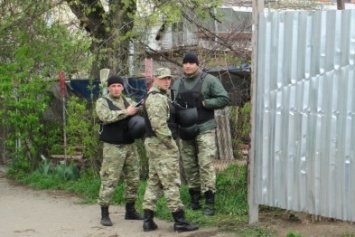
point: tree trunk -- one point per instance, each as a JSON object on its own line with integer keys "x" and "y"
{"x": 108, "y": 30}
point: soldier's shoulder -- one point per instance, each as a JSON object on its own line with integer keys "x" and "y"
{"x": 208, "y": 76}
{"x": 211, "y": 79}
{"x": 155, "y": 99}
{"x": 176, "y": 82}
{"x": 103, "y": 99}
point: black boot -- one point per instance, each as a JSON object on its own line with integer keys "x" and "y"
{"x": 195, "y": 195}
{"x": 149, "y": 224}
{"x": 131, "y": 213}
{"x": 181, "y": 225}
{"x": 105, "y": 218}
{"x": 209, "y": 209}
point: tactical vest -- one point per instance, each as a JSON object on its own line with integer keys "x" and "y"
{"x": 171, "y": 120}
{"x": 117, "y": 132}
{"x": 193, "y": 98}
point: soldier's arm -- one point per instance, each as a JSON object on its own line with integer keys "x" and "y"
{"x": 106, "y": 115}
{"x": 157, "y": 110}
{"x": 215, "y": 96}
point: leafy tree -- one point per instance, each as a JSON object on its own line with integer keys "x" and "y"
{"x": 126, "y": 22}
{"x": 32, "y": 51}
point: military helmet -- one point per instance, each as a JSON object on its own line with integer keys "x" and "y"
{"x": 187, "y": 117}
{"x": 188, "y": 133}
{"x": 136, "y": 127}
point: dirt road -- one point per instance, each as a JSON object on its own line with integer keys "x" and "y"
{"x": 25, "y": 212}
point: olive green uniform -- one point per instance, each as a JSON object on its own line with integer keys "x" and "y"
{"x": 118, "y": 159}
{"x": 198, "y": 155}
{"x": 163, "y": 155}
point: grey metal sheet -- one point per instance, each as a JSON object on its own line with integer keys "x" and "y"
{"x": 305, "y": 112}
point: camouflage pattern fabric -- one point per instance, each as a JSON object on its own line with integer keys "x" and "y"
{"x": 119, "y": 160}
{"x": 197, "y": 160}
{"x": 164, "y": 176}
{"x": 163, "y": 154}
{"x": 109, "y": 116}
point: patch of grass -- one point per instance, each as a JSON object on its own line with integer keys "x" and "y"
{"x": 294, "y": 234}
{"x": 231, "y": 196}
{"x": 41, "y": 181}
{"x": 245, "y": 230}
{"x": 348, "y": 235}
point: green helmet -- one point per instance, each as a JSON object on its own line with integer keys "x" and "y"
{"x": 136, "y": 127}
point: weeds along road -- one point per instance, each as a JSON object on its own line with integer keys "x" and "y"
{"x": 40, "y": 213}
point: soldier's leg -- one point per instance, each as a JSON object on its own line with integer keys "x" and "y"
{"x": 131, "y": 178}
{"x": 153, "y": 188}
{"x": 207, "y": 152}
{"x": 110, "y": 172}
{"x": 151, "y": 195}
{"x": 169, "y": 174}
{"x": 188, "y": 154}
{"x": 191, "y": 170}
{"x": 111, "y": 168}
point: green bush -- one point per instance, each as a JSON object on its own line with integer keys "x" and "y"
{"x": 67, "y": 172}
{"x": 240, "y": 127}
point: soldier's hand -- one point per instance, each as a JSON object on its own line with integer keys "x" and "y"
{"x": 131, "y": 110}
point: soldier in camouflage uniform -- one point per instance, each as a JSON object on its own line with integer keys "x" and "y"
{"x": 163, "y": 155}
{"x": 120, "y": 155}
{"x": 197, "y": 89}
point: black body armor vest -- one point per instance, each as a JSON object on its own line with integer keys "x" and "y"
{"x": 117, "y": 132}
{"x": 193, "y": 98}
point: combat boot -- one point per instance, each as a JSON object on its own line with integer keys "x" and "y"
{"x": 181, "y": 225}
{"x": 105, "y": 218}
{"x": 149, "y": 224}
{"x": 131, "y": 213}
{"x": 209, "y": 209}
{"x": 195, "y": 196}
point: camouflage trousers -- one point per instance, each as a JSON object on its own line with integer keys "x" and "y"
{"x": 197, "y": 159}
{"x": 119, "y": 160}
{"x": 164, "y": 175}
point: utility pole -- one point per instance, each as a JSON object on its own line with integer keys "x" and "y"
{"x": 258, "y": 8}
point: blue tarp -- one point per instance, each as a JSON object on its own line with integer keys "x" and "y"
{"x": 135, "y": 87}
{"x": 85, "y": 88}
{"x": 236, "y": 80}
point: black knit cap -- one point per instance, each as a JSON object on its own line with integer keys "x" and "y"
{"x": 115, "y": 80}
{"x": 190, "y": 58}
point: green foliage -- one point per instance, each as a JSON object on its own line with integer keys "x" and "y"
{"x": 294, "y": 234}
{"x": 82, "y": 131}
{"x": 244, "y": 122}
{"x": 348, "y": 235}
{"x": 57, "y": 149}
{"x": 240, "y": 127}
{"x": 67, "y": 172}
{"x": 41, "y": 181}
{"x": 143, "y": 160}
{"x": 231, "y": 198}
{"x": 45, "y": 168}
{"x": 31, "y": 54}
{"x": 254, "y": 231}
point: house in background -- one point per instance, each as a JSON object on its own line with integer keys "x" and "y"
{"x": 229, "y": 34}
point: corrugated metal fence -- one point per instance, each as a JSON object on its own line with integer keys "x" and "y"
{"x": 304, "y": 136}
